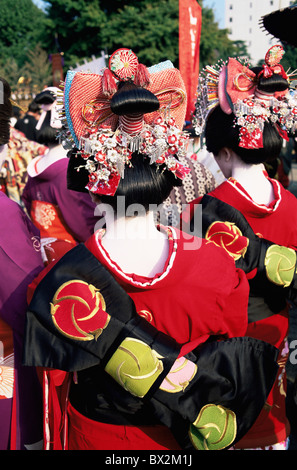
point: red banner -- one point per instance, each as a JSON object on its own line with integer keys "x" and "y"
{"x": 190, "y": 20}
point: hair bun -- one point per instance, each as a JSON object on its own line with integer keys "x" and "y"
{"x": 45, "y": 97}
{"x": 131, "y": 99}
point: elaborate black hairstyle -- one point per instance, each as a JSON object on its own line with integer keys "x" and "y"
{"x": 143, "y": 183}
{"x": 45, "y": 97}
{"x": 221, "y": 132}
{"x": 133, "y": 99}
{"x": 270, "y": 84}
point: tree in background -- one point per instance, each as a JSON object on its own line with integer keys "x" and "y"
{"x": 149, "y": 27}
{"x": 74, "y": 27}
{"x": 82, "y": 29}
{"x": 22, "y": 24}
{"x": 37, "y": 60}
{"x": 21, "y": 27}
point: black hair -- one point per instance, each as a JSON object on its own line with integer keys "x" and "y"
{"x": 221, "y": 130}
{"x": 47, "y": 135}
{"x": 132, "y": 99}
{"x": 270, "y": 84}
{"x": 33, "y": 107}
{"x": 5, "y": 111}
{"x": 45, "y": 97}
{"x": 143, "y": 183}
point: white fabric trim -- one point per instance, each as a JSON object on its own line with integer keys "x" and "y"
{"x": 39, "y": 164}
{"x": 128, "y": 278}
{"x": 260, "y": 206}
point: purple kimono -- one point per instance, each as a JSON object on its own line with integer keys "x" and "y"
{"x": 49, "y": 184}
{"x": 20, "y": 390}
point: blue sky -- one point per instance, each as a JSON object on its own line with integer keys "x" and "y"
{"x": 39, "y": 3}
{"x": 219, "y": 9}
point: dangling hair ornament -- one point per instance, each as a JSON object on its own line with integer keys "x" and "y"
{"x": 142, "y": 77}
{"x": 235, "y": 87}
{"x": 272, "y": 63}
{"x": 109, "y": 84}
{"x": 106, "y": 138}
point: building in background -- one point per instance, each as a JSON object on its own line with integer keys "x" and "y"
{"x": 242, "y": 20}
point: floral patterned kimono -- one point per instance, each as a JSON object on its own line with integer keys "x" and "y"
{"x": 64, "y": 217}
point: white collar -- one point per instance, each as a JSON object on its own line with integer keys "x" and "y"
{"x": 39, "y": 164}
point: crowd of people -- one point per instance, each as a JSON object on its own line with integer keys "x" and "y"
{"x": 148, "y": 269}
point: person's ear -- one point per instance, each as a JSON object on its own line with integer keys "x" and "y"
{"x": 226, "y": 154}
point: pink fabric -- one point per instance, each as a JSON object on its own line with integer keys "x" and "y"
{"x": 244, "y": 77}
{"x": 224, "y": 103}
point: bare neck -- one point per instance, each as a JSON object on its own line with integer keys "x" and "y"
{"x": 252, "y": 179}
{"x": 135, "y": 243}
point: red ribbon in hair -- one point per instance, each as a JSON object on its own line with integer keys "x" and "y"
{"x": 282, "y": 132}
{"x": 269, "y": 70}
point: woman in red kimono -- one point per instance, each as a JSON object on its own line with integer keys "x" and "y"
{"x": 244, "y": 131}
{"x": 137, "y": 310}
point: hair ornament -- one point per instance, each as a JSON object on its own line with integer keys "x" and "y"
{"x": 208, "y": 94}
{"x": 107, "y": 152}
{"x": 105, "y": 141}
{"x": 249, "y": 82}
{"x": 272, "y": 62}
{"x": 124, "y": 66}
{"x": 109, "y": 83}
{"x": 123, "y": 63}
{"x": 236, "y": 89}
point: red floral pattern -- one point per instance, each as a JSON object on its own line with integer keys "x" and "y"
{"x": 78, "y": 311}
{"x": 123, "y": 63}
{"x": 228, "y": 236}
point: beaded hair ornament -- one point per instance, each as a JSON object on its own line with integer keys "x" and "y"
{"x": 107, "y": 141}
{"x": 233, "y": 86}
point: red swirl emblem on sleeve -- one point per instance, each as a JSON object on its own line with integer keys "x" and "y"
{"x": 78, "y": 311}
{"x": 228, "y": 236}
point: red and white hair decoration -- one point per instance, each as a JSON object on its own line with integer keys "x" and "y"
{"x": 234, "y": 86}
{"x": 124, "y": 66}
{"x": 106, "y": 141}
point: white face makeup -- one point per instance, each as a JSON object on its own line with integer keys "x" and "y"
{"x": 3, "y": 153}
